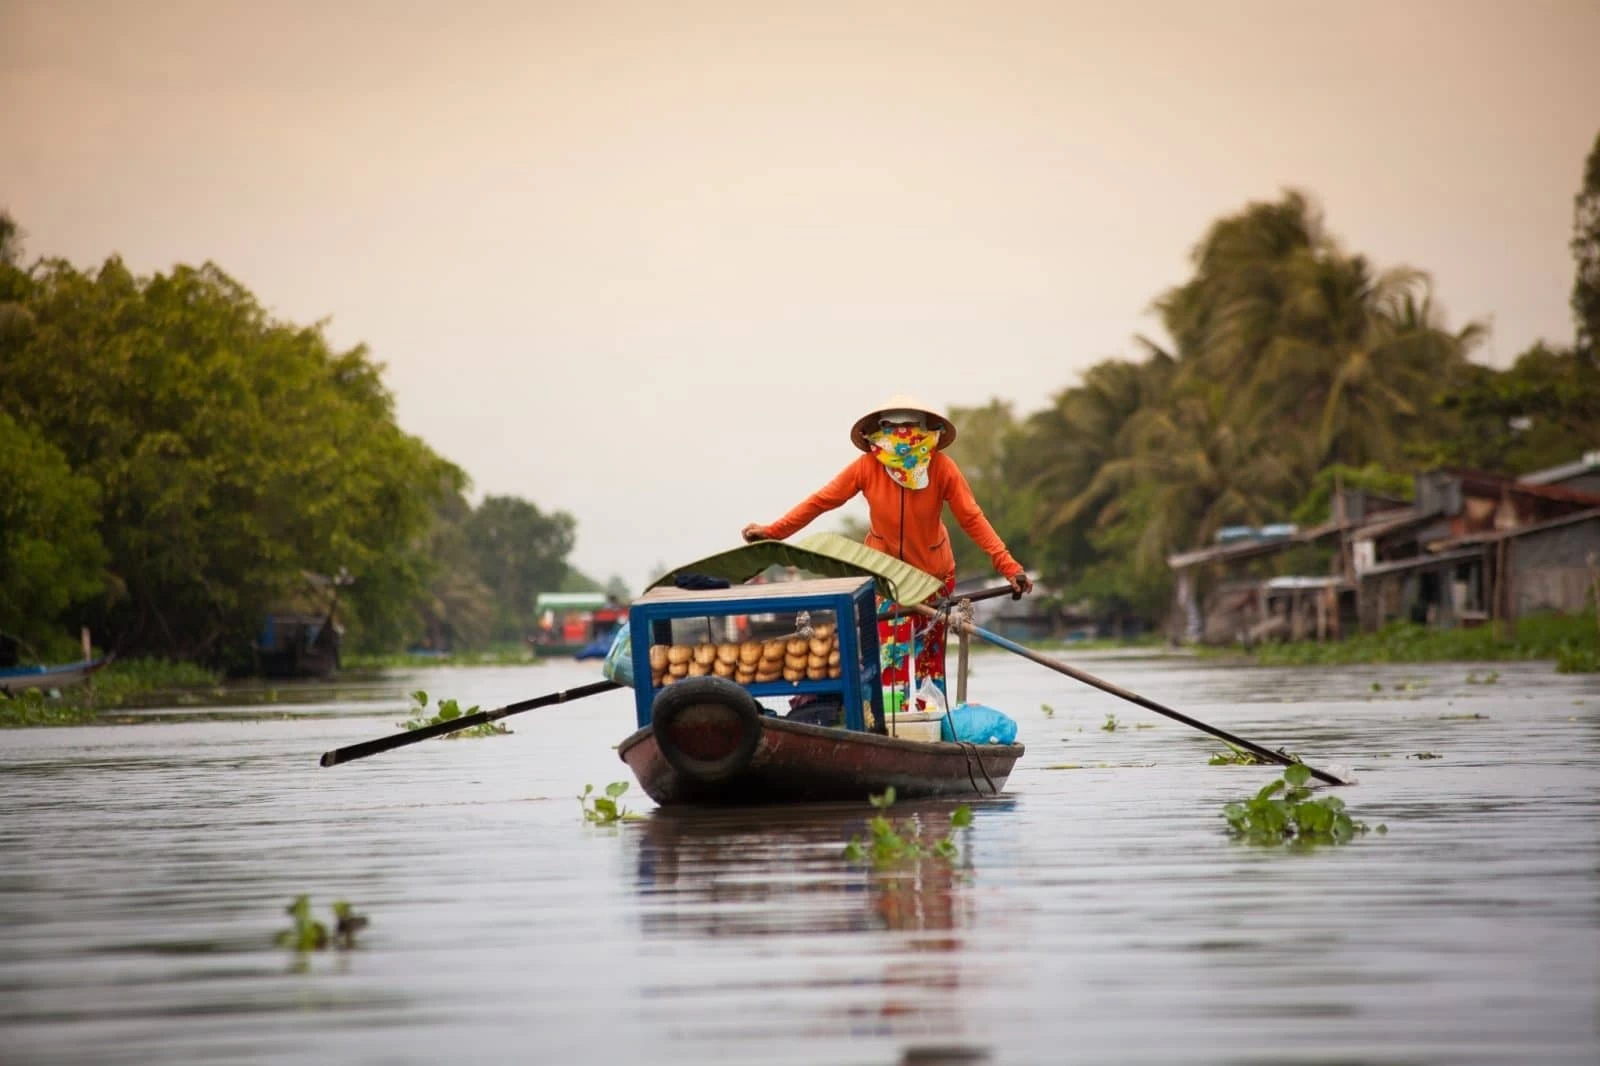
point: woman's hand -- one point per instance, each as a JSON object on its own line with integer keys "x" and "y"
{"x": 754, "y": 532}
{"x": 1019, "y": 585}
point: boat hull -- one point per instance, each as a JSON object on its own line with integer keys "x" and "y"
{"x": 798, "y": 763}
{"x": 28, "y": 677}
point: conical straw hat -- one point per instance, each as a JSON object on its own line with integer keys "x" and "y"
{"x": 869, "y": 421}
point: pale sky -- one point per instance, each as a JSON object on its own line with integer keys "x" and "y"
{"x": 646, "y": 262}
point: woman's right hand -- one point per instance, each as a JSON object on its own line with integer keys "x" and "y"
{"x": 754, "y": 532}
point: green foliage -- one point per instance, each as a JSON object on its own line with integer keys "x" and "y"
{"x": 232, "y": 452}
{"x": 51, "y": 555}
{"x": 448, "y": 711}
{"x": 1111, "y": 724}
{"x": 890, "y": 844}
{"x": 1575, "y": 659}
{"x": 1530, "y": 416}
{"x": 1235, "y": 757}
{"x": 1283, "y": 812}
{"x": 518, "y": 552}
{"x": 1566, "y": 638}
{"x": 1586, "y": 254}
{"x": 1489, "y": 678}
{"x": 606, "y": 809}
{"x": 1317, "y": 504}
{"x": 308, "y": 934}
{"x": 1047, "y": 710}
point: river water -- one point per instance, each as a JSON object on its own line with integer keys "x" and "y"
{"x": 1097, "y": 912}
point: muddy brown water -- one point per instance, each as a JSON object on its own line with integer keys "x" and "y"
{"x": 1097, "y": 912}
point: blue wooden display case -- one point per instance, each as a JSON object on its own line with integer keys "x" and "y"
{"x": 851, "y": 600}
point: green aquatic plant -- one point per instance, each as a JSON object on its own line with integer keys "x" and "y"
{"x": 605, "y": 809}
{"x": 1573, "y": 659}
{"x": 1422, "y": 755}
{"x": 890, "y": 844}
{"x": 1284, "y": 812}
{"x": 1234, "y": 757}
{"x": 1047, "y": 710}
{"x": 308, "y": 934}
{"x": 448, "y": 711}
{"x": 1489, "y": 678}
{"x": 1111, "y": 724}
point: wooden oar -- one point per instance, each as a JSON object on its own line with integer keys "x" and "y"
{"x": 412, "y": 736}
{"x": 1133, "y": 697}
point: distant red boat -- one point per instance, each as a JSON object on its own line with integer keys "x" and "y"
{"x": 720, "y": 756}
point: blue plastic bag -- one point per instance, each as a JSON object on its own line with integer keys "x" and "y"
{"x": 618, "y": 665}
{"x": 977, "y": 724}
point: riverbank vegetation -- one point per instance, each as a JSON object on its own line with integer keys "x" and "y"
{"x": 174, "y": 462}
{"x": 1571, "y": 640}
{"x": 124, "y": 683}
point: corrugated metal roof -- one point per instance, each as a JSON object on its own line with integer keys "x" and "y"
{"x": 1551, "y": 475}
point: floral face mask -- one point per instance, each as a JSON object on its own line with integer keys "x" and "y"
{"x": 905, "y": 451}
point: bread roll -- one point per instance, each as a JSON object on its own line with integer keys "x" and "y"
{"x": 705, "y": 654}
{"x": 658, "y": 657}
{"x": 722, "y": 669}
{"x": 772, "y": 651}
{"x": 679, "y": 669}
{"x": 764, "y": 676}
{"x": 743, "y": 676}
{"x": 816, "y": 662}
{"x": 823, "y": 631}
{"x": 728, "y": 653}
{"x": 698, "y": 669}
{"x": 795, "y": 662}
{"x": 669, "y": 679}
{"x": 816, "y": 673}
{"x": 833, "y": 657}
{"x": 750, "y": 653}
{"x": 797, "y": 646}
{"x": 792, "y": 675}
{"x": 679, "y": 653}
{"x": 834, "y": 672}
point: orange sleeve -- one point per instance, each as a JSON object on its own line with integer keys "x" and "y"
{"x": 834, "y": 494}
{"x": 965, "y": 507}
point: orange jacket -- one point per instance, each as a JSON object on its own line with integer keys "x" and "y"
{"x": 907, "y": 523}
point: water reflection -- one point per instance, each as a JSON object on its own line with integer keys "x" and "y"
{"x": 779, "y": 875}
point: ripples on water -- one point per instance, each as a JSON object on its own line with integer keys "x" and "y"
{"x": 1097, "y": 914}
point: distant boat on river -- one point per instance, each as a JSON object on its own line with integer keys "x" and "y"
{"x": 20, "y": 678}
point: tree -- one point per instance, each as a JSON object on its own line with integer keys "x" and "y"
{"x": 232, "y": 452}
{"x": 519, "y": 552}
{"x": 1586, "y": 253}
{"x": 983, "y": 452}
{"x": 50, "y": 553}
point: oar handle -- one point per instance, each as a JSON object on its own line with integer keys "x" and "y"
{"x": 439, "y": 729}
{"x": 1133, "y": 697}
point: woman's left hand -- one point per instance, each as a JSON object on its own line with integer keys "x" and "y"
{"x": 1020, "y": 585}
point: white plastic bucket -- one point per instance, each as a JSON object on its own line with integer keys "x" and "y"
{"x": 916, "y": 725}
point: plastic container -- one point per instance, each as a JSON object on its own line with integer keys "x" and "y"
{"x": 916, "y": 725}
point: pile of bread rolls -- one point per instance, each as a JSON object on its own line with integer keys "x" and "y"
{"x": 755, "y": 662}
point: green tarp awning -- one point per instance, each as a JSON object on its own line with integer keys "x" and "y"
{"x": 824, "y": 554}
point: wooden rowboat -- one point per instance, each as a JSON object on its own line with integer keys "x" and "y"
{"x": 705, "y": 739}
{"x": 792, "y": 762}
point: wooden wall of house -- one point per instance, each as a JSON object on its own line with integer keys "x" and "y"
{"x": 1551, "y": 569}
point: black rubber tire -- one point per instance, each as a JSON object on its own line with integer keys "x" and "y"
{"x": 697, "y": 691}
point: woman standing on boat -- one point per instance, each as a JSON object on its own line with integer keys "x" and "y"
{"x": 907, "y": 479}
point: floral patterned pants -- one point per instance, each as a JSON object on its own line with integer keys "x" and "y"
{"x": 900, "y": 638}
